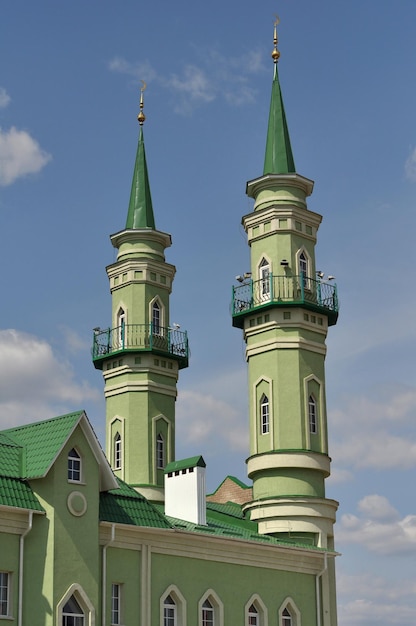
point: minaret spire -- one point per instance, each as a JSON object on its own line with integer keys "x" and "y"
{"x": 140, "y": 213}
{"x": 279, "y": 156}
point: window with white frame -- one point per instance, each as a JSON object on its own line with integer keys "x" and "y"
{"x": 117, "y": 451}
{"x": 264, "y": 414}
{"x": 304, "y": 269}
{"x": 74, "y": 466}
{"x": 264, "y": 275}
{"x": 4, "y": 594}
{"x": 313, "y": 415}
{"x": 160, "y": 452}
{"x": 121, "y": 327}
{"x": 156, "y": 318}
{"x": 208, "y": 614}
{"x": 169, "y": 611}
{"x": 72, "y": 614}
{"x": 287, "y": 618}
{"x": 116, "y": 603}
{"x": 253, "y": 616}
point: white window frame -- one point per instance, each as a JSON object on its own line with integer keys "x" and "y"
{"x": 116, "y": 598}
{"x": 77, "y": 619}
{"x": 217, "y": 608}
{"x": 289, "y": 615}
{"x": 82, "y": 599}
{"x": 5, "y": 608}
{"x": 265, "y": 278}
{"x": 261, "y": 612}
{"x": 313, "y": 414}
{"x": 169, "y": 611}
{"x": 156, "y": 318}
{"x": 179, "y": 607}
{"x": 74, "y": 466}
{"x": 121, "y": 327}
{"x": 118, "y": 452}
{"x": 304, "y": 267}
{"x": 264, "y": 415}
{"x": 160, "y": 452}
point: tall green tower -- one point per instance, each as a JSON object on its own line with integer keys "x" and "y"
{"x": 141, "y": 353}
{"x": 285, "y": 307}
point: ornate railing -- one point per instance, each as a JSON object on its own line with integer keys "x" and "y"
{"x": 141, "y": 337}
{"x": 285, "y": 290}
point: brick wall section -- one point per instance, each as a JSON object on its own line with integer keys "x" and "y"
{"x": 230, "y": 491}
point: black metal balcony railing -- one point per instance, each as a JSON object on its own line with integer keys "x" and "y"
{"x": 285, "y": 290}
{"x": 141, "y": 338}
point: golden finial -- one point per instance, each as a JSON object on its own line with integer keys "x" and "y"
{"x": 275, "y": 53}
{"x": 141, "y": 117}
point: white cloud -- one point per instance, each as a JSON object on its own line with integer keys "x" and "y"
{"x": 375, "y": 432}
{"x": 4, "y": 98}
{"x": 34, "y": 384}
{"x": 410, "y": 166}
{"x": 195, "y": 84}
{"x": 379, "y": 529}
{"x": 20, "y": 155}
{"x": 73, "y": 341}
{"x": 370, "y": 600}
{"x": 204, "y": 419}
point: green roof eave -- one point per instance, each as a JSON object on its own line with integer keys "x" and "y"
{"x": 193, "y": 461}
{"x": 140, "y": 212}
{"x": 279, "y": 157}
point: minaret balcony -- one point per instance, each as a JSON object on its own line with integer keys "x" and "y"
{"x": 284, "y": 291}
{"x": 167, "y": 342}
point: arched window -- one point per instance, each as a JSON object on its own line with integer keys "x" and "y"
{"x": 264, "y": 275}
{"x": 74, "y": 466}
{"x": 313, "y": 415}
{"x": 117, "y": 451}
{"x": 304, "y": 269}
{"x": 72, "y": 614}
{"x": 286, "y": 618}
{"x": 160, "y": 452}
{"x": 264, "y": 415}
{"x": 156, "y": 318}
{"x": 208, "y": 617}
{"x": 253, "y": 616}
{"x": 121, "y": 328}
{"x": 169, "y": 611}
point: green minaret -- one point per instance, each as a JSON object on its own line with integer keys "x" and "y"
{"x": 285, "y": 307}
{"x": 141, "y": 353}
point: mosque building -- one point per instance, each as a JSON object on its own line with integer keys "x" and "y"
{"x": 130, "y": 537}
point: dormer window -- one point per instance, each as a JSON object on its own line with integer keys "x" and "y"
{"x": 74, "y": 466}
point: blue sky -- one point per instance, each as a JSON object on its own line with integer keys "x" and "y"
{"x": 69, "y": 75}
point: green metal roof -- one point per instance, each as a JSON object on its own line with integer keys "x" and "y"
{"x": 193, "y": 461}
{"x": 140, "y": 213}
{"x": 42, "y": 442}
{"x": 17, "y": 493}
{"x": 279, "y": 157}
{"x": 125, "y": 506}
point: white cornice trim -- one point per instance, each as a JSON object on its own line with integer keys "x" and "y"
{"x": 284, "y": 343}
{"x": 303, "y": 460}
{"x": 267, "y": 181}
{"x": 138, "y": 235}
{"x": 139, "y": 386}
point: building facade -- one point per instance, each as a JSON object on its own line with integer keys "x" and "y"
{"x": 129, "y": 537}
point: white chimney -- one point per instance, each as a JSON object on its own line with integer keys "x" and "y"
{"x": 185, "y": 490}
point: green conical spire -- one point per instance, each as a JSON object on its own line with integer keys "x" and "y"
{"x": 279, "y": 157}
{"x": 140, "y": 214}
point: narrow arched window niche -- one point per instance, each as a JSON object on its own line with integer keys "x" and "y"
{"x": 211, "y": 610}
{"x": 156, "y": 318}
{"x": 172, "y": 608}
{"x": 75, "y": 608}
{"x": 289, "y": 615}
{"x": 121, "y": 318}
{"x": 255, "y": 612}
